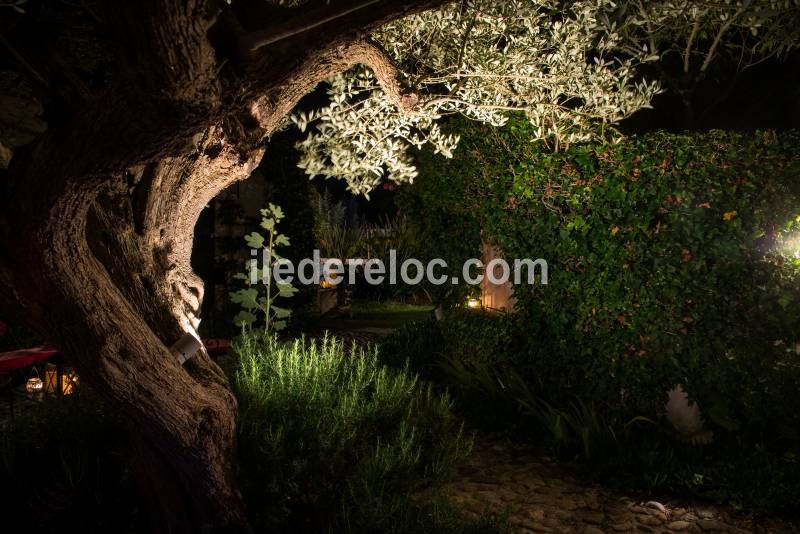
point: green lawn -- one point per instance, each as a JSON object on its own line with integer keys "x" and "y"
{"x": 372, "y": 314}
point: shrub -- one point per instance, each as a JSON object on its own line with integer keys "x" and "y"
{"x": 63, "y": 465}
{"x": 503, "y": 395}
{"x": 328, "y": 440}
{"x": 331, "y": 440}
{"x": 673, "y": 260}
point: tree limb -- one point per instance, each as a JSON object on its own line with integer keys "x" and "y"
{"x": 369, "y": 53}
{"x": 323, "y": 54}
{"x": 718, "y": 38}
{"x": 271, "y": 107}
{"x": 255, "y": 40}
{"x": 687, "y": 53}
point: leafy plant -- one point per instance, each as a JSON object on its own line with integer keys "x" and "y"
{"x": 673, "y": 260}
{"x": 252, "y": 300}
{"x": 331, "y": 440}
{"x": 66, "y": 459}
{"x": 646, "y": 240}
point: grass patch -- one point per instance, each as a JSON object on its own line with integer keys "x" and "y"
{"x": 372, "y": 314}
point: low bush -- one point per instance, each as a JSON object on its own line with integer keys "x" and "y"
{"x": 64, "y": 467}
{"x": 497, "y": 389}
{"x": 330, "y": 440}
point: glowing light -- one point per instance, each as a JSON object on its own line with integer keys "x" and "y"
{"x": 59, "y": 380}
{"x": 34, "y": 385}
{"x": 473, "y": 303}
{"x": 788, "y": 245}
{"x": 186, "y": 347}
{"x": 68, "y": 381}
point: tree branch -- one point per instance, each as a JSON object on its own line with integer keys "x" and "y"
{"x": 373, "y": 55}
{"x": 271, "y": 107}
{"x": 313, "y": 19}
{"x": 325, "y": 53}
{"x": 688, "y": 52}
{"x": 712, "y": 51}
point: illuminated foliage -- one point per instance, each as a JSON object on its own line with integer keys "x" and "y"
{"x": 572, "y": 69}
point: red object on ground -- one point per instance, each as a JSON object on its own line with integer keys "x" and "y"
{"x": 23, "y": 358}
{"x": 217, "y": 347}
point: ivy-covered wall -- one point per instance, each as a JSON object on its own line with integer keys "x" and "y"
{"x": 670, "y": 261}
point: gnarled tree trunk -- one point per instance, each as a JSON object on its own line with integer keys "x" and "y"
{"x": 98, "y": 216}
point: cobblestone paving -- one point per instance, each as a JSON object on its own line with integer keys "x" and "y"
{"x": 540, "y": 497}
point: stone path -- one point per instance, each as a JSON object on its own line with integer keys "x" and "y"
{"x": 537, "y": 496}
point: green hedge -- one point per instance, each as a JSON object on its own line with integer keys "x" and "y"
{"x": 670, "y": 261}
{"x": 656, "y": 249}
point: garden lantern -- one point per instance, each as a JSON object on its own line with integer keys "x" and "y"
{"x": 51, "y": 378}
{"x": 34, "y": 383}
{"x": 324, "y": 284}
{"x": 68, "y": 380}
{"x": 59, "y": 380}
{"x": 473, "y": 303}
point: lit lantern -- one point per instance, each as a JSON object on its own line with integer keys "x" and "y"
{"x": 473, "y": 303}
{"x": 51, "y": 379}
{"x": 59, "y": 380}
{"x": 69, "y": 378}
{"x": 324, "y": 284}
{"x": 34, "y": 385}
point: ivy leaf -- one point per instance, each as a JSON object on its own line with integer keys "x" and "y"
{"x": 281, "y": 241}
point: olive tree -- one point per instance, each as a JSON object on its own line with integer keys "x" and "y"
{"x": 575, "y": 69}
{"x": 98, "y": 211}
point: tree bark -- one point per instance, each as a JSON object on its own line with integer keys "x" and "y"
{"x": 97, "y": 225}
